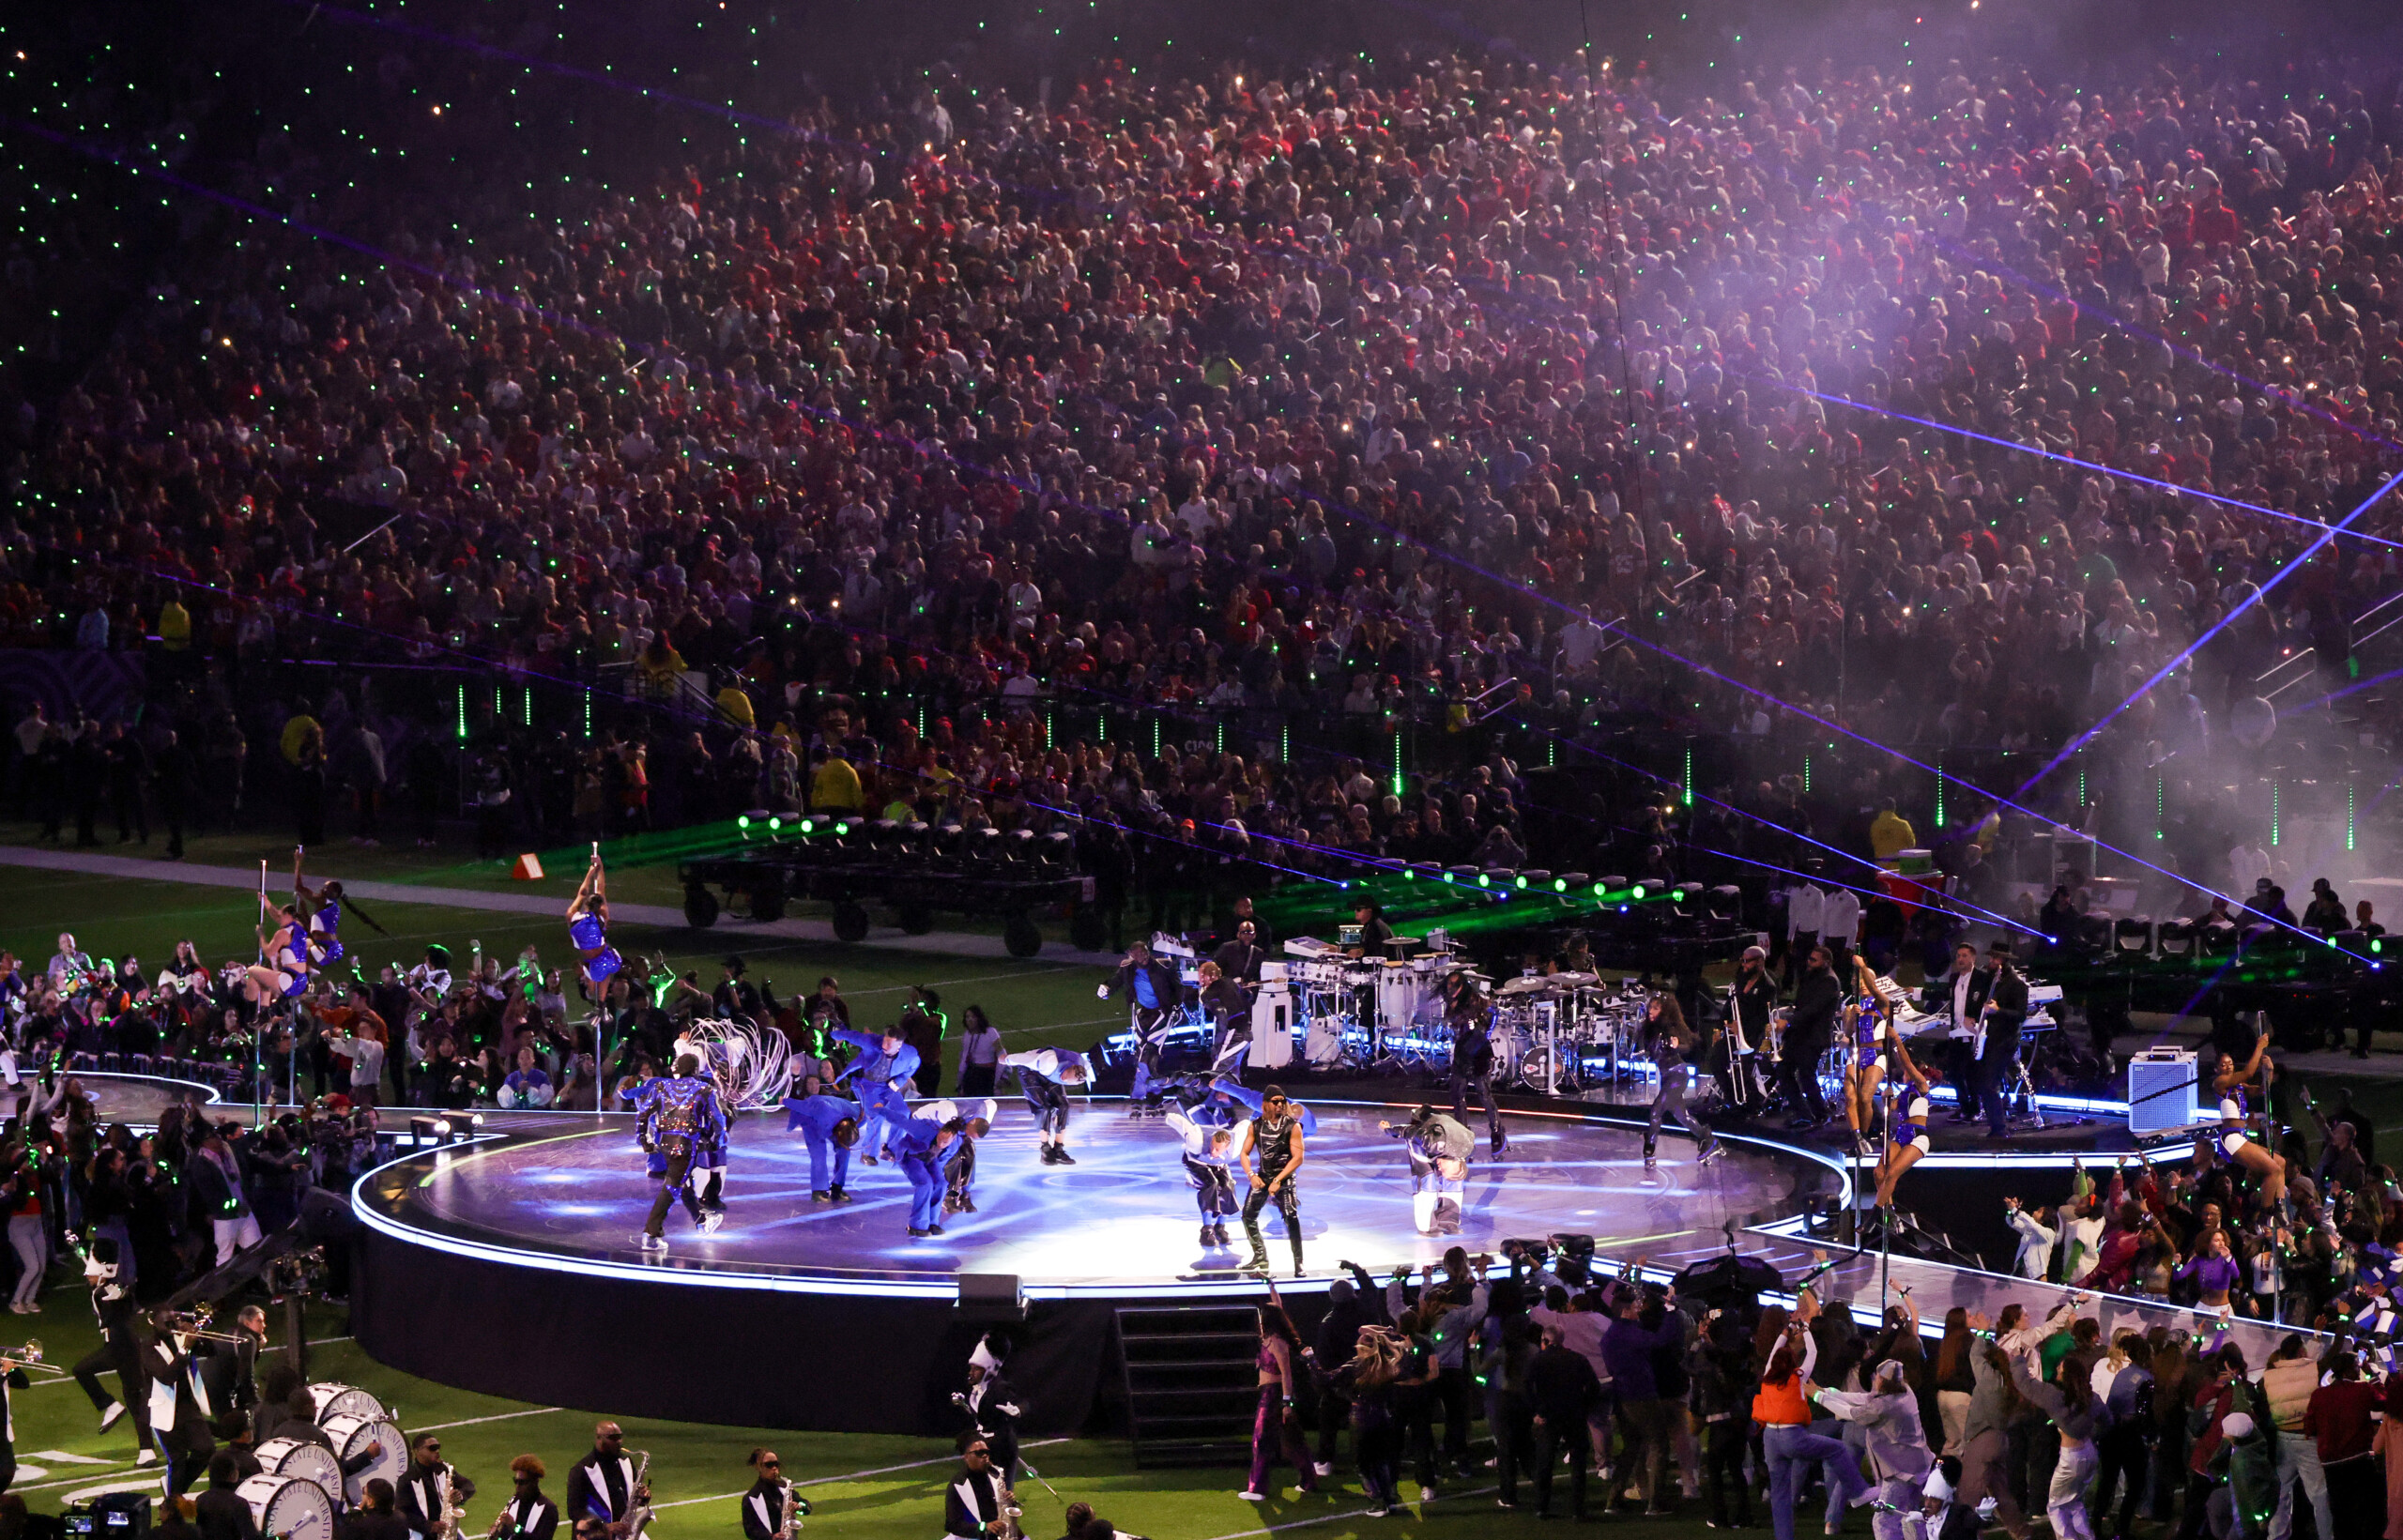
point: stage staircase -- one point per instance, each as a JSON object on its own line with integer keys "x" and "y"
{"x": 1190, "y": 1382}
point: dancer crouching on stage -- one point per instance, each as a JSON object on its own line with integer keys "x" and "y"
{"x": 921, "y": 1148}
{"x": 1209, "y": 1161}
{"x": 1044, "y": 1075}
{"x": 1276, "y": 1137}
{"x": 830, "y": 1124}
{"x": 678, "y": 1121}
{"x": 1440, "y": 1148}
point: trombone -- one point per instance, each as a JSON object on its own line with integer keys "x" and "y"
{"x": 193, "y": 1325}
{"x": 29, "y": 1353}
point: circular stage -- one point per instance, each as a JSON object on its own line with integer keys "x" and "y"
{"x": 546, "y": 1223}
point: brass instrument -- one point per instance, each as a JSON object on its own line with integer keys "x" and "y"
{"x": 29, "y": 1353}
{"x": 453, "y": 1510}
{"x": 637, "y": 1515}
{"x": 1011, "y": 1513}
{"x": 502, "y": 1523}
{"x": 193, "y": 1325}
{"x": 795, "y": 1510}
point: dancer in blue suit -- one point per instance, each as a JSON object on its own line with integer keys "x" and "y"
{"x": 832, "y": 1126}
{"x": 1044, "y": 1075}
{"x": 884, "y": 1065}
{"x": 920, "y": 1147}
{"x": 679, "y": 1121}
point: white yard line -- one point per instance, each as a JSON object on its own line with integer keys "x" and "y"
{"x": 856, "y": 1475}
{"x": 496, "y": 1417}
{"x": 1338, "y": 1517}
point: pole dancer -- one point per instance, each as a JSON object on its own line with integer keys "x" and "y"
{"x": 830, "y": 1124}
{"x": 1440, "y": 1146}
{"x": 588, "y": 927}
{"x": 326, "y": 904}
{"x": 1044, "y": 1075}
{"x": 1909, "y": 1139}
{"x": 1276, "y": 1137}
{"x": 678, "y": 1121}
{"x": 1209, "y": 1159}
{"x": 1869, "y": 1022}
{"x": 286, "y": 959}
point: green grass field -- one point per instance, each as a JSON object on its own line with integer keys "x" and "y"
{"x": 874, "y": 1486}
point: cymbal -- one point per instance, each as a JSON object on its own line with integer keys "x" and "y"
{"x": 1574, "y": 981}
{"x": 1533, "y": 987}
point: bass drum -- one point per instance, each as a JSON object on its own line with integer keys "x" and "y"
{"x": 297, "y": 1457}
{"x": 289, "y": 1507}
{"x": 346, "y": 1401}
{"x": 351, "y": 1436}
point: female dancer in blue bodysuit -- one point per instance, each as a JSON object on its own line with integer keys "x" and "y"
{"x": 588, "y": 927}
{"x": 288, "y": 957}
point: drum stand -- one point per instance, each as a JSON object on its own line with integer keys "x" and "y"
{"x": 2022, "y": 1085}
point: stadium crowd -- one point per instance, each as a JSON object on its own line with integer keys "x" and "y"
{"x": 1271, "y": 402}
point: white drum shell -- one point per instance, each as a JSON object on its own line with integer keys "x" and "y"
{"x": 290, "y": 1507}
{"x": 351, "y": 1436}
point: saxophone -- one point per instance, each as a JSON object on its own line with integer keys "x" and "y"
{"x": 795, "y": 1508}
{"x": 638, "y": 1513}
{"x": 453, "y": 1510}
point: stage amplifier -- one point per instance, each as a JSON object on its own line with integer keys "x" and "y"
{"x": 2162, "y": 1092}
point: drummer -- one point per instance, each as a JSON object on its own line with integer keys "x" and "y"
{"x": 1375, "y": 933}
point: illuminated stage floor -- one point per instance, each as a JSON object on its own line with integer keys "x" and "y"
{"x": 1120, "y": 1222}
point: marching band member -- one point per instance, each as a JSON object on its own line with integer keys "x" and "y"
{"x": 764, "y": 1504}
{"x": 120, "y": 1346}
{"x": 973, "y": 1504}
{"x": 528, "y": 1514}
{"x": 830, "y": 1124}
{"x": 991, "y": 1404}
{"x": 603, "y": 1484}
{"x": 179, "y": 1410}
{"x": 885, "y": 1064}
{"x": 1440, "y": 1148}
{"x": 678, "y": 1121}
{"x": 1044, "y": 1075}
{"x": 1276, "y": 1135}
{"x": 588, "y": 927}
{"x": 420, "y": 1501}
{"x": 1209, "y": 1156}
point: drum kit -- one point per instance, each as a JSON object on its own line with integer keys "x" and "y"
{"x": 300, "y": 1490}
{"x": 1556, "y": 1033}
